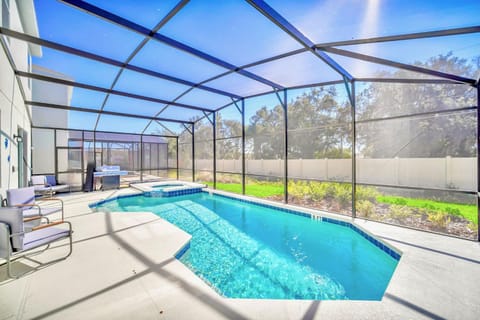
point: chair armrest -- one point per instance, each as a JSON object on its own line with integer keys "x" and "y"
{"x": 30, "y": 205}
{"x": 32, "y": 218}
{"x": 51, "y": 199}
{"x": 51, "y": 224}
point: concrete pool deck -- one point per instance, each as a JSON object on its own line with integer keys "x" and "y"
{"x": 122, "y": 267}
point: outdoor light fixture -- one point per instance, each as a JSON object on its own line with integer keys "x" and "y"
{"x": 17, "y": 138}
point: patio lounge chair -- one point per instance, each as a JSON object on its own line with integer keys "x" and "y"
{"x": 15, "y": 243}
{"x": 24, "y": 198}
{"x": 47, "y": 185}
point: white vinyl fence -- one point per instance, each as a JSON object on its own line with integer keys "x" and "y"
{"x": 449, "y": 172}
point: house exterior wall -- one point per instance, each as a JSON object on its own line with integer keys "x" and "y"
{"x": 13, "y": 112}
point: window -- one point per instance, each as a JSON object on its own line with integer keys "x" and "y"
{"x": 6, "y": 13}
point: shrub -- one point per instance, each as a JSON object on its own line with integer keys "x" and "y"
{"x": 342, "y": 193}
{"x": 365, "y": 208}
{"x": 299, "y": 189}
{"x": 367, "y": 193}
{"x": 319, "y": 190}
{"x": 472, "y": 226}
{"x": 439, "y": 219}
{"x": 400, "y": 212}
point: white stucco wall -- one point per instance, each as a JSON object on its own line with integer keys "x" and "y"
{"x": 442, "y": 173}
{"x": 13, "y": 113}
{"x": 53, "y": 93}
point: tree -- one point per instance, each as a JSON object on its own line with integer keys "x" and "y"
{"x": 264, "y": 133}
{"x": 436, "y": 135}
{"x": 319, "y": 125}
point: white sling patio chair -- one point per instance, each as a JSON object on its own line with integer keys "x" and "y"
{"x": 15, "y": 243}
{"x": 24, "y": 198}
{"x": 47, "y": 185}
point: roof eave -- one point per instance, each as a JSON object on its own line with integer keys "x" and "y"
{"x": 26, "y": 10}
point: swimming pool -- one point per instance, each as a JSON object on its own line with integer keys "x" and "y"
{"x": 245, "y": 250}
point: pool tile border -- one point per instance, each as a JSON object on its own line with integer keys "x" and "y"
{"x": 172, "y": 193}
{"x": 384, "y": 247}
{"x": 182, "y": 251}
{"x": 370, "y": 238}
{"x": 269, "y": 206}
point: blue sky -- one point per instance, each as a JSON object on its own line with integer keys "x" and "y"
{"x": 235, "y": 32}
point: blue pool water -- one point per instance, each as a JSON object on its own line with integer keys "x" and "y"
{"x": 244, "y": 250}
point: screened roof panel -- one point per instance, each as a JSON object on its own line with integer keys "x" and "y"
{"x": 364, "y": 69}
{"x": 205, "y": 99}
{"x": 117, "y": 137}
{"x": 146, "y": 13}
{"x": 230, "y": 30}
{"x": 121, "y": 124}
{"x": 75, "y": 68}
{"x": 167, "y": 128}
{"x": 295, "y": 70}
{"x": 133, "y": 106}
{"x": 179, "y": 113}
{"x": 235, "y": 32}
{"x": 336, "y": 20}
{"x": 238, "y": 84}
{"x": 155, "y": 128}
{"x": 134, "y": 82}
{"x": 87, "y": 98}
{"x": 159, "y": 57}
{"x": 81, "y": 120}
{"x": 425, "y": 52}
{"x": 254, "y": 104}
{"x": 61, "y": 23}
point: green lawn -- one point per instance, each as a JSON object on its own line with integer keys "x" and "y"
{"x": 264, "y": 190}
{"x": 469, "y": 212}
{"x": 256, "y": 190}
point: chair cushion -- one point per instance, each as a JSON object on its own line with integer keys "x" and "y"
{"x": 38, "y": 180}
{"x": 45, "y": 211}
{"x": 50, "y": 179}
{"x": 43, "y": 236}
{"x": 14, "y": 218}
{"x": 41, "y": 188}
{"x": 21, "y": 196}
